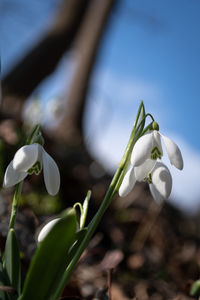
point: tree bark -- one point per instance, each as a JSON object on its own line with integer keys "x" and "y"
{"x": 85, "y": 48}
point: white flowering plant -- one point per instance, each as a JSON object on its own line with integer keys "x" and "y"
{"x": 62, "y": 241}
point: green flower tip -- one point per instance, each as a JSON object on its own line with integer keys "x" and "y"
{"x": 155, "y": 126}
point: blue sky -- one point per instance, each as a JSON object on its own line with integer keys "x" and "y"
{"x": 151, "y": 52}
{"x": 160, "y": 46}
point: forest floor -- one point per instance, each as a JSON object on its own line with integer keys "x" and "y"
{"x": 140, "y": 251}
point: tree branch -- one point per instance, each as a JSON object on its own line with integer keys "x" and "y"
{"x": 43, "y": 58}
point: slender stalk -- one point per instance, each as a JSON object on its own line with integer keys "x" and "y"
{"x": 91, "y": 228}
{"x": 15, "y": 204}
{"x": 113, "y": 188}
{"x": 36, "y": 130}
{"x": 149, "y": 127}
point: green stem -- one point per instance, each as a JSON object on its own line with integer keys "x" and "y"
{"x": 149, "y": 127}
{"x": 15, "y": 204}
{"x": 150, "y": 115}
{"x": 79, "y": 206}
{"x": 113, "y": 188}
{"x": 91, "y": 228}
{"x": 36, "y": 130}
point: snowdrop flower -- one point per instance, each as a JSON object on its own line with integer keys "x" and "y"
{"x": 31, "y": 159}
{"x": 46, "y": 229}
{"x": 155, "y": 173}
{"x": 149, "y": 146}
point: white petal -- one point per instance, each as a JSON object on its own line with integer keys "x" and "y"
{"x": 127, "y": 183}
{"x": 12, "y": 176}
{"x": 157, "y": 141}
{"x": 156, "y": 195}
{"x": 162, "y": 180}
{"x": 25, "y": 157}
{"x": 173, "y": 152}
{"x": 143, "y": 170}
{"x": 51, "y": 174}
{"x": 40, "y": 154}
{"x": 142, "y": 149}
{"x": 46, "y": 229}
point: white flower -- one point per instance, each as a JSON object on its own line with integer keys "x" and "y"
{"x": 31, "y": 159}
{"x": 46, "y": 229}
{"x": 155, "y": 173}
{"x": 128, "y": 182}
{"x": 149, "y": 147}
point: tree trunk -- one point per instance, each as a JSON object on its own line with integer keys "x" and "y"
{"x": 43, "y": 58}
{"x": 85, "y": 48}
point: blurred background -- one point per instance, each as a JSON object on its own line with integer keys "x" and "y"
{"x": 81, "y": 68}
{"x": 136, "y": 50}
{"x": 56, "y": 55}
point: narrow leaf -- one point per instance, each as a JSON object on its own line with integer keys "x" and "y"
{"x": 141, "y": 120}
{"x": 46, "y": 268}
{"x": 12, "y": 261}
{"x": 3, "y": 281}
{"x": 57, "y": 289}
{"x": 85, "y": 210}
{"x": 79, "y": 237}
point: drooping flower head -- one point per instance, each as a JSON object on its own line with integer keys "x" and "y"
{"x": 156, "y": 174}
{"x": 149, "y": 146}
{"x": 146, "y": 165}
{"x": 31, "y": 159}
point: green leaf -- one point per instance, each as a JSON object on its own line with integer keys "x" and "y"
{"x": 141, "y": 119}
{"x": 56, "y": 289}
{"x": 47, "y": 265}
{"x": 195, "y": 288}
{"x": 3, "y": 281}
{"x": 12, "y": 261}
{"x": 79, "y": 237}
{"x": 85, "y": 210}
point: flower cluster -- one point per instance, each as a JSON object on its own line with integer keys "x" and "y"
{"x": 146, "y": 165}
{"x": 31, "y": 159}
